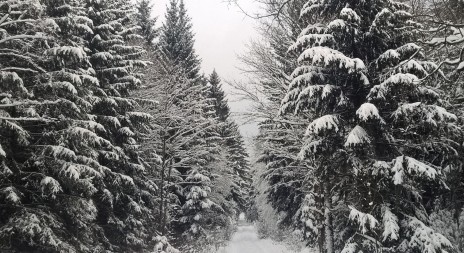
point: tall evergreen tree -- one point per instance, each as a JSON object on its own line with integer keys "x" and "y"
{"x": 177, "y": 40}
{"x": 49, "y": 206}
{"x": 239, "y": 166}
{"x": 145, "y": 21}
{"x": 232, "y": 142}
{"x": 372, "y": 112}
{"x": 169, "y": 37}
{"x": 198, "y": 153}
{"x": 124, "y": 198}
{"x": 219, "y": 98}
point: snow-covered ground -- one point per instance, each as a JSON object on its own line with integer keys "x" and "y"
{"x": 246, "y": 240}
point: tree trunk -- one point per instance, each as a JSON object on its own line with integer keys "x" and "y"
{"x": 162, "y": 206}
{"x": 329, "y": 240}
{"x": 168, "y": 182}
{"x": 460, "y": 235}
{"x": 320, "y": 206}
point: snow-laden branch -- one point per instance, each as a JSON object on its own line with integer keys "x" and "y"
{"x": 16, "y": 21}
{"x": 26, "y": 103}
{"x": 29, "y": 119}
{"x": 22, "y": 37}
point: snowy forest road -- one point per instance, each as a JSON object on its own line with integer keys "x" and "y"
{"x": 246, "y": 240}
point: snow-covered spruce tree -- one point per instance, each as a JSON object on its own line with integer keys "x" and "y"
{"x": 45, "y": 84}
{"x": 443, "y": 42}
{"x": 177, "y": 40}
{"x": 196, "y": 206}
{"x": 70, "y": 78}
{"x": 222, "y": 181}
{"x": 163, "y": 245}
{"x": 200, "y": 151}
{"x": 65, "y": 174}
{"x": 145, "y": 21}
{"x": 238, "y": 167}
{"x": 238, "y": 164}
{"x": 125, "y": 200}
{"x": 218, "y": 97}
{"x": 378, "y": 139}
{"x": 19, "y": 67}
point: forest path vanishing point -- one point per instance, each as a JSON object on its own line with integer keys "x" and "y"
{"x": 246, "y": 240}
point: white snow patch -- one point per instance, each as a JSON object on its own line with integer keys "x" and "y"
{"x": 326, "y": 122}
{"x": 9, "y": 193}
{"x": 326, "y": 56}
{"x": 357, "y": 136}
{"x": 350, "y": 248}
{"x": 390, "y": 225}
{"x": 312, "y": 40}
{"x": 382, "y": 90}
{"x": 350, "y": 15}
{"x": 366, "y": 221}
{"x": 412, "y": 166}
{"x": 336, "y": 24}
{"x": 50, "y": 184}
{"x": 2, "y": 152}
{"x": 368, "y": 111}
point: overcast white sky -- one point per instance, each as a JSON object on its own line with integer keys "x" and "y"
{"x": 221, "y": 32}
